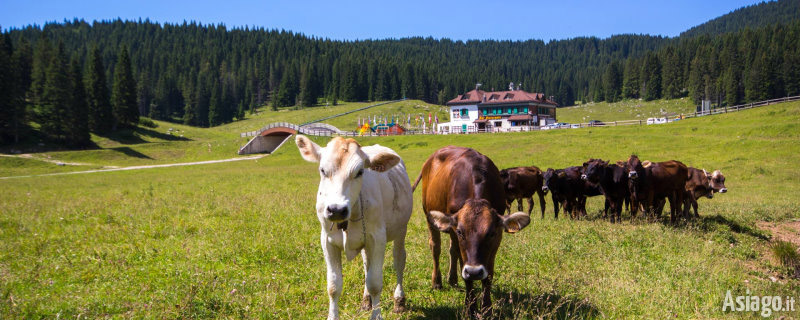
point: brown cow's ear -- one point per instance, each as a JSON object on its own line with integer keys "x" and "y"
{"x": 562, "y": 174}
{"x": 442, "y": 221}
{"x": 383, "y": 161}
{"x": 308, "y": 149}
{"x": 515, "y": 222}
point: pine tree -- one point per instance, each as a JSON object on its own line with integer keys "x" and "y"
{"x": 12, "y": 104}
{"x": 215, "y": 107}
{"x": 77, "y": 118}
{"x": 203, "y": 101}
{"x": 56, "y": 97}
{"x": 630, "y": 82}
{"x": 42, "y": 57}
{"x": 670, "y": 76}
{"x": 612, "y": 81}
{"x": 123, "y": 94}
{"x": 101, "y": 119}
{"x": 651, "y": 77}
{"x": 308, "y": 94}
{"x": 190, "y": 104}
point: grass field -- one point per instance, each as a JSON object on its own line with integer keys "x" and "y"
{"x": 623, "y": 110}
{"x": 241, "y": 239}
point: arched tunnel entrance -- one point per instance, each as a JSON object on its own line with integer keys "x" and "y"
{"x": 268, "y": 140}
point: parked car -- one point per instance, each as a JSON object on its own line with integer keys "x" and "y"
{"x": 656, "y": 120}
{"x": 574, "y": 126}
{"x": 562, "y": 125}
{"x": 596, "y": 123}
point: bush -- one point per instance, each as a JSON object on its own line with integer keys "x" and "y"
{"x": 146, "y": 122}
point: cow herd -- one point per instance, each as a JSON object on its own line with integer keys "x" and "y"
{"x": 364, "y": 201}
{"x": 639, "y": 185}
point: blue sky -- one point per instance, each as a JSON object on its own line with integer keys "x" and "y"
{"x": 351, "y": 20}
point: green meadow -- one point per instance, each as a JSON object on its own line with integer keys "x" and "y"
{"x": 241, "y": 239}
{"x": 624, "y": 110}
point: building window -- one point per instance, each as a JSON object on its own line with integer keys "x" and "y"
{"x": 464, "y": 113}
{"x": 525, "y": 110}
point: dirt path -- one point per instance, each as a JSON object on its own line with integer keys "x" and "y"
{"x": 134, "y": 167}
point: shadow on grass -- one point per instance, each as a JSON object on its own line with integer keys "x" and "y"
{"x": 134, "y": 136}
{"x": 519, "y": 305}
{"x": 131, "y": 153}
{"x": 710, "y": 223}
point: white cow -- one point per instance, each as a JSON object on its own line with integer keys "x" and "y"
{"x": 364, "y": 201}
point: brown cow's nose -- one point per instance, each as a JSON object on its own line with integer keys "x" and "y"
{"x": 337, "y": 212}
{"x": 584, "y": 177}
{"x": 723, "y": 190}
{"x": 545, "y": 188}
{"x": 471, "y": 273}
{"x": 633, "y": 174}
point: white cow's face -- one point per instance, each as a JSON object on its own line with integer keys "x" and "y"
{"x": 342, "y": 165}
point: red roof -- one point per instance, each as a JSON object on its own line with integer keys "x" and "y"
{"x": 499, "y": 97}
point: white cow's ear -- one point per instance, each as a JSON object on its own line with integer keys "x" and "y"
{"x": 383, "y": 161}
{"x": 308, "y": 149}
{"x": 442, "y": 221}
{"x": 515, "y": 222}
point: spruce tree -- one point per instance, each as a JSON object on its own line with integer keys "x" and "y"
{"x": 671, "y": 74}
{"x": 651, "y": 77}
{"x": 77, "y": 118}
{"x": 612, "y": 82}
{"x": 42, "y": 57}
{"x": 123, "y": 94}
{"x": 203, "y": 101}
{"x": 101, "y": 119}
{"x": 56, "y": 97}
{"x": 190, "y": 104}
{"x": 12, "y": 107}
{"x": 630, "y": 82}
{"x": 215, "y": 107}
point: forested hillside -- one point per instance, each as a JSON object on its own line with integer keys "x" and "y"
{"x": 753, "y": 16}
{"x": 63, "y": 74}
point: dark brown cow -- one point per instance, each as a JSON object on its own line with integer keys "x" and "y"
{"x": 569, "y": 190}
{"x": 613, "y": 182}
{"x": 655, "y": 181}
{"x": 521, "y": 183}
{"x": 462, "y": 195}
{"x": 700, "y": 184}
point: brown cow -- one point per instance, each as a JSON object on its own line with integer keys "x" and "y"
{"x": 463, "y": 196}
{"x": 701, "y": 184}
{"x": 656, "y": 181}
{"x": 521, "y": 183}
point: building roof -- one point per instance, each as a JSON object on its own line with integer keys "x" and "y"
{"x": 499, "y": 97}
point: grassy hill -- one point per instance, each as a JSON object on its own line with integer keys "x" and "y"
{"x": 623, "y": 110}
{"x": 171, "y": 142}
{"x": 241, "y": 239}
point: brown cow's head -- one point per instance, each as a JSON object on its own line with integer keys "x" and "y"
{"x": 635, "y": 167}
{"x": 592, "y": 169}
{"x": 342, "y": 165}
{"x": 716, "y": 181}
{"x": 479, "y": 229}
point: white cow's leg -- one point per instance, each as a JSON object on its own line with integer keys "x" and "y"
{"x": 399, "y": 261}
{"x": 333, "y": 264}
{"x": 375, "y": 255}
{"x": 366, "y": 302}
